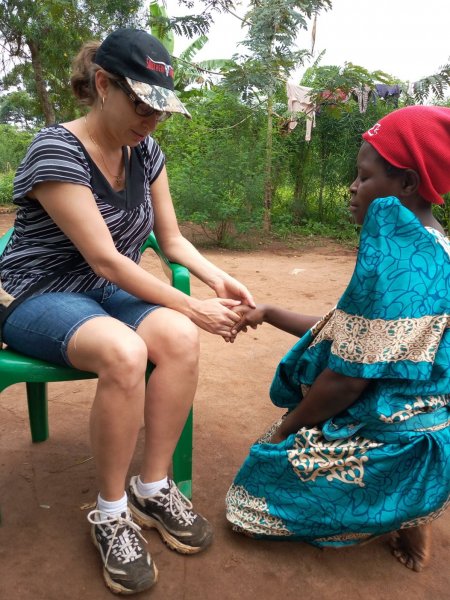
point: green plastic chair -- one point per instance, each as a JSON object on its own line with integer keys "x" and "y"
{"x": 17, "y": 368}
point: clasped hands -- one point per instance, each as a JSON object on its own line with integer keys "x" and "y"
{"x": 248, "y": 317}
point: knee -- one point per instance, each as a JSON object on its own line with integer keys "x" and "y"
{"x": 179, "y": 341}
{"x": 125, "y": 361}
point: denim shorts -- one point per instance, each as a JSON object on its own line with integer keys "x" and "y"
{"x": 43, "y": 325}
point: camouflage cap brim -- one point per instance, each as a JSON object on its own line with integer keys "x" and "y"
{"x": 158, "y": 98}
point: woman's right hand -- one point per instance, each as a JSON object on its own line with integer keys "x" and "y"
{"x": 216, "y": 315}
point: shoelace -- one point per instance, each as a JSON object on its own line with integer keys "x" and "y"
{"x": 128, "y": 545}
{"x": 179, "y": 506}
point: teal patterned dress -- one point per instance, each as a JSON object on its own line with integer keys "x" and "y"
{"x": 384, "y": 463}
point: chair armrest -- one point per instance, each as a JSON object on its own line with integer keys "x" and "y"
{"x": 5, "y": 239}
{"x": 179, "y": 274}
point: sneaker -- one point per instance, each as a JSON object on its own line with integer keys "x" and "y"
{"x": 171, "y": 513}
{"x": 127, "y": 566}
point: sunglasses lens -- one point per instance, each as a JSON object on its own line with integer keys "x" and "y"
{"x": 144, "y": 110}
{"x": 163, "y": 116}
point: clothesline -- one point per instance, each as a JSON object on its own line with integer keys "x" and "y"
{"x": 303, "y": 99}
{"x": 306, "y": 100}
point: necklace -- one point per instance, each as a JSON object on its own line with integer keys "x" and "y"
{"x": 117, "y": 178}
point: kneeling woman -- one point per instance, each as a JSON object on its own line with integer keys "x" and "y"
{"x": 364, "y": 447}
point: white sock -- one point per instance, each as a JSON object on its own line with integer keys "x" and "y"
{"x": 149, "y": 489}
{"x": 116, "y": 507}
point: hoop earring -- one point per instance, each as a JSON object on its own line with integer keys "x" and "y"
{"x": 103, "y": 102}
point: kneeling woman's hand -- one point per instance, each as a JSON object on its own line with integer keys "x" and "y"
{"x": 249, "y": 317}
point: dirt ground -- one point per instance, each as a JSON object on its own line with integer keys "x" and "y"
{"x": 45, "y": 550}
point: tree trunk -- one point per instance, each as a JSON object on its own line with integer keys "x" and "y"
{"x": 300, "y": 204}
{"x": 268, "y": 170}
{"x": 322, "y": 174}
{"x": 41, "y": 87}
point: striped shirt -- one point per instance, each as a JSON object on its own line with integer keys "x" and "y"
{"x": 38, "y": 247}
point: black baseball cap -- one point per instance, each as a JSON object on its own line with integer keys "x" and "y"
{"x": 145, "y": 64}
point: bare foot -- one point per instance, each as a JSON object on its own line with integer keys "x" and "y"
{"x": 412, "y": 546}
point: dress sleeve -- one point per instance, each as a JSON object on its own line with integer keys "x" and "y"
{"x": 393, "y": 320}
{"x": 395, "y": 313}
{"x": 54, "y": 155}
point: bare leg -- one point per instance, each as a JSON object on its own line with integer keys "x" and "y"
{"x": 173, "y": 347}
{"x": 119, "y": 357}
{"x": 412, "y": 546}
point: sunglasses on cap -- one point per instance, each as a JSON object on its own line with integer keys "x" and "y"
{"x": 141, "y": 108}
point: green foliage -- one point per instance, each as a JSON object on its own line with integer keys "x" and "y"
{"x": 433, "y": 84}
{"x": 322, "y": 169}
{"x": 190, "y": 79}
{"x": 442, "y": 213}
{"x": 214, "y": 164}
{"x": 235, "y": 162}
{"x": 20, "y": 108}
{"x": 273, "y": 26}
{"x": 191, "y": 26}
{"x": 6, "y": 188}
{"x": 333, "y": 77}
{"x": 158, "y": 17}
{"x": 347, "y": 234}
{"x": 40, "y": 39}
{"x": 13, "y": 146}
{"x": 188, "y": 26}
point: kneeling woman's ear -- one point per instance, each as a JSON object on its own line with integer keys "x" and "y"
{"x": 411, "y": 182}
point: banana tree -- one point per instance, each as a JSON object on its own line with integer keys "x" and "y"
{"x": 191, "y": 78}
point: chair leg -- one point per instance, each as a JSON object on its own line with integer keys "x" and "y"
{"x": 182, "y": 459}
{"x": 38, "y": 411}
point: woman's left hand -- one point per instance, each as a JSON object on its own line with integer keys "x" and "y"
{"x": 229, "y": 287}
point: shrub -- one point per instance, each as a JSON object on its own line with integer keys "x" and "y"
{"x": 13, "y": 146}
{"x": 6, "y": 188}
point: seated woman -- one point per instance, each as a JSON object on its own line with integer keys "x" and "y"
{"x": 89, "y": 192}
{"x": 364, "y": 449}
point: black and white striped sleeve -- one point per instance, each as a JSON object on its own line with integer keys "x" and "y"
{"x": 54, "y": 155}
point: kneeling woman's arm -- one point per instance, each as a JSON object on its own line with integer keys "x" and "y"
{"x": 330, "y": 394}
{"x": 281, "y": 318}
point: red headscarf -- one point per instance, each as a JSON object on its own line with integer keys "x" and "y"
{"x": 418, "y": 138}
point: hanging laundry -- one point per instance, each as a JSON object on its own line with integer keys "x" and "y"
{"x": 333, "y": 96}
{"x": 387, "y": 92}
{"x": 362, "y": 94}
{"x": 299, "y": 101}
